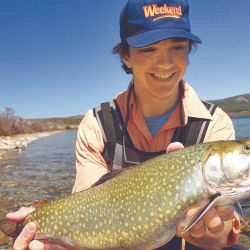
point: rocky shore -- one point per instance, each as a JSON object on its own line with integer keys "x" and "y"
{"x": 20, "y": 142}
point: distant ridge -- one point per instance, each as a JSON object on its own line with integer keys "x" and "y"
{"x": 236, "y": 105}
{"x": 55, "y": 123}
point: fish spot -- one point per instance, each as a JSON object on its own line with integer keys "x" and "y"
{"x": 125, "y": 234}
{"x": 178, "y": 206}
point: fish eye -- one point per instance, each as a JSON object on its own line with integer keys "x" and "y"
{"x": 246, "y": 148}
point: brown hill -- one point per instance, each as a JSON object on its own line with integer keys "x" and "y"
{"x": 55, "y": 123}
{"x": 236, "y": 105}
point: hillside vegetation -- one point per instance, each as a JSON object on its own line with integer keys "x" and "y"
{"x": 12, "y": 124}
{"x": 58, "y": 122}
{"x": 236, "y": 105}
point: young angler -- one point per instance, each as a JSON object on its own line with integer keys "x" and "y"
{"x": 158, "y": 109}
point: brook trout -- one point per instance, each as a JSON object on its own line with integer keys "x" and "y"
{"x": 140, "y": 207}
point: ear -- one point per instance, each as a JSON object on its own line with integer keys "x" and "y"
{"x": 126, "y": 60}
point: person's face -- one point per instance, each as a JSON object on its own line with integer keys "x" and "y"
{"x": 158, "y": 68}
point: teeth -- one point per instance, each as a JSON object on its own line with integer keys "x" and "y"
{"x": 162, "y": 77}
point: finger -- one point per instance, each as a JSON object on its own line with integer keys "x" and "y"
{"x": 174, "y": 146}
{"x": 37, "y": 245}
{"x": 53, "y": 247}
{"x": 213, "y": 221}
{"x": 27, "y": 234}
{"x": 225, "y": 212}
{"x": 198, "y": 230}
{"x": 20, "y": 214}
{"x": 42, "y": 245}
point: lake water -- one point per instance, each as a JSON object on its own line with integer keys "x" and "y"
{"x": 46, "y": 169}
{"x": 242, "y": 127}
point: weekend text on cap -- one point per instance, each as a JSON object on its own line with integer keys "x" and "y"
{"x": 164, "y": 10}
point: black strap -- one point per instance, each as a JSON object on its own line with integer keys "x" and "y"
{"x": 109, "y": 130}
{"x": 195, "y": 130}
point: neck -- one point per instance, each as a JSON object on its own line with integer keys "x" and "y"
{"x": 151, "y": 106}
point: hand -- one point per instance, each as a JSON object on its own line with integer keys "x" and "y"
{"x": 212, "y": 230}
{"x": 25, "y": 239}
{"x": 174, "y": 146}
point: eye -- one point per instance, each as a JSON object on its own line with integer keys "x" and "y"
{"x": 246, "y": 148}
{"x": 179, "y": 47}
{"x": 148, "y": 50}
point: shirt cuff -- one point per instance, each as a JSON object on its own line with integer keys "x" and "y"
{"x": 234, "y": 233}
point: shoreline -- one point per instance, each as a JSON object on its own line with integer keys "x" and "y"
{"x": 239, "y": 114}
{"x": 21, "y": 141}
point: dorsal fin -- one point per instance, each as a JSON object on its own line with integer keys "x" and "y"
{"x": 107, "y": 177}
{"x": 39, "y": 203}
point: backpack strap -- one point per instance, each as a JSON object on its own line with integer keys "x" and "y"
{"x": 104, "y": 116}
{"x": 203, "y": 128}
{"x": 195, "y": 130}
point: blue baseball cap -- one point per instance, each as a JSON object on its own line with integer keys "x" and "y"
{"x": 143, "y": 22}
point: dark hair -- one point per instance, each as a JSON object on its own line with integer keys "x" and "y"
{"x": 123, "y": 49}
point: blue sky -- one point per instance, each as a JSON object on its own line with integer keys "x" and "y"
{"x": 56, "y": 60}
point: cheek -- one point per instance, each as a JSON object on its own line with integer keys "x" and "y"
{"x": 182, "y": 62}
{"x": 140, "y": 64}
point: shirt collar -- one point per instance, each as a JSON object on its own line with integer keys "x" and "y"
{"x": 193, "y": 107}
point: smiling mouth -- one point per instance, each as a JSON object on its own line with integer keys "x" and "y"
{"x": 162, "y": 77}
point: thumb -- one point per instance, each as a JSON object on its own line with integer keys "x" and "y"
{"x": 174, "y": 146}
{"x": 25, "y": 237}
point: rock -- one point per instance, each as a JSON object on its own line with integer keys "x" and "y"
{"x": 21, "y": 141}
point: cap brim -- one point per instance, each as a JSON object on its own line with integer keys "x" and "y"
{"x": 148, "y": 37}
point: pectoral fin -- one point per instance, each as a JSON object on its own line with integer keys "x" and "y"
{"x": 190, "y": 221}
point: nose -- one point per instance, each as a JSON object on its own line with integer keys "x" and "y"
{"x": 164, "y": 60}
